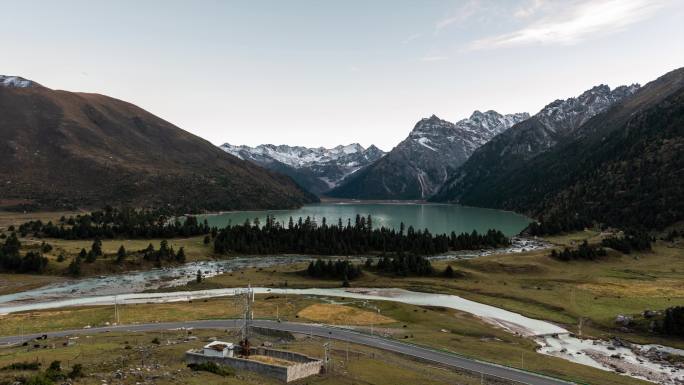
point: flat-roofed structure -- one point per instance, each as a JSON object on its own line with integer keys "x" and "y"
{"x": 282, "y": 365}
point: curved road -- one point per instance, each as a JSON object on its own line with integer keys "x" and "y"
{"x": 412, "y": 351}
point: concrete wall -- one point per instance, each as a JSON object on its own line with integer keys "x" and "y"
{"x": 272, "y": 333}
{"x": 209, "y": 352}
{"x": 299, "y": 371}
{"x": 304, "y": 366}
{"x": 281, "y": 354}
{"x": 278, "y": 372}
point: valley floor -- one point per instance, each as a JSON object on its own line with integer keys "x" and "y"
{"x": 584, "y": 297}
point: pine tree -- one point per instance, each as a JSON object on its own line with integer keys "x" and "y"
{"x": 90, "y": 257}
{"x": 121, "y": 255}
{"x": 96, "y": 248}
{"x": 180, "y": 256}
{"x": 74, "y": 268}
{"x": 199, "y": 276}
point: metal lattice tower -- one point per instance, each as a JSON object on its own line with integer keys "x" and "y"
{"x": 245, "y": 298}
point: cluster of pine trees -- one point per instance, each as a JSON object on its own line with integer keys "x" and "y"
{"x": 403, "y": 265}
{"x": 308, "y": 236}
{"x": 630, "y": 241}
{"x": 165, "y": 253}
{"x": 673, "y": 322}
{"x": 583, "y": 252}
{"x": 556, "y": 224}
{"x": 11, "y": 259}
{"x": 340, "y": 269}
{"x": 112, "y": 223}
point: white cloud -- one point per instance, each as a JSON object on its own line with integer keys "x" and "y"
{"x": 574, "y": 23}
{"x": 459, "y": 15}
{"x": 529, "y": 9}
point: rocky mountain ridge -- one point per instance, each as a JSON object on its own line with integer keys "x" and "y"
{"x": 558, "y": 121}
{"x": 418, "y": 166}
{"x": 317, "y": 169}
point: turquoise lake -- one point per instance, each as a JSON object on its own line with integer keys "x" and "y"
{"x": 438, "y": 218}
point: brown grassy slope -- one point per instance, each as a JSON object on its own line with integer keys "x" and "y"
{"x": 65, "y": 149}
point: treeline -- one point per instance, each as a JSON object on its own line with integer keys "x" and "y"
{"x": 399, "y": 265}
{"x": 340, "y": 269}
{"x": 583, "y": 252}
{"x": 12, "y": 261}
{"x": 308, "y": 236}
{"x": 630, "y": 241}
{"x": 112, "y": 223}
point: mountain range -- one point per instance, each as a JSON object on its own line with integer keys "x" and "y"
{"x": 316, "y": 169}
{"x": 65, "y": 149}
{"x": 560, "y": 120}
{"x": 612, "y": 156}
{"x": 422, "y": 162}
{"x": 622, "y": 167}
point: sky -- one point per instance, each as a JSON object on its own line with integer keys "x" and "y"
{"x": 324, "y": 73}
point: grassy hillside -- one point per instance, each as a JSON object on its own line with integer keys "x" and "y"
{"x": 66, "y": 150}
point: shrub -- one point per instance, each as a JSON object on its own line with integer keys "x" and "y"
{"x": 22, "y": 366}
{"x": 212, "y": 367}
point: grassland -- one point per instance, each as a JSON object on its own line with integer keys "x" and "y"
{"x": 12, "y": 283}
{"x": 590, "y": 293}
{"x": 194, "y": 247}
{"x": 141, "y": 361}
{"x": 340, "y": 314}
{"x": 437, "y": 327}
{"x": 533, "y": 284}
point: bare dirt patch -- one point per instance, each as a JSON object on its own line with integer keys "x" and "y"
{"x": 340, "y": 314}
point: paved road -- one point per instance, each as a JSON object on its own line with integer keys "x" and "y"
{"x": 413, "y": 351}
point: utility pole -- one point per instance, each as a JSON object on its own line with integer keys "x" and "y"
{"x": 347, "y": 353}
{"x": 246, "y": 296}
{"x": 116, "y": 309}
{"x": 326, "y": 359}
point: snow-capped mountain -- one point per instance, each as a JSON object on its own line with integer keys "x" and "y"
{"x": 558, "y": 121}
{"x": 316, "y": 169}
{"x": 15, "y": 82}
{"x": 419, "y": 165}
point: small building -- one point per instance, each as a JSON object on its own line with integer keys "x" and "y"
{"x": 283, "y": 365}
{"x": 219, "y": 349}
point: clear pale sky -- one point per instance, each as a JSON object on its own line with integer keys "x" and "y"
{"x": 322, "y": 73}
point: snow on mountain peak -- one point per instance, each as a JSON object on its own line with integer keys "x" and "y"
{"x": 15, "y": 82}
{"x": 298, "y": 156}
{"x": 571, "y": 113}
{"x": 317, "y": 169}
